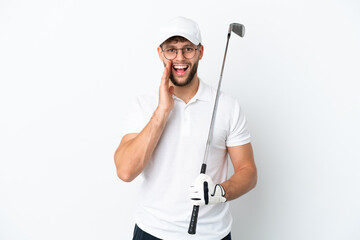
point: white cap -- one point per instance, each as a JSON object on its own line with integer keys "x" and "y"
{"x": 183, "y": 27}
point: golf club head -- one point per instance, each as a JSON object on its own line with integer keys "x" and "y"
{"x": 237, "y": 28}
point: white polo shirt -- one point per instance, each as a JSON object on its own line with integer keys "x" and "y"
{"x": 164, "y": 206}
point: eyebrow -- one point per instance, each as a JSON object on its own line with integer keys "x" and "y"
{"x": 172, "y": 46}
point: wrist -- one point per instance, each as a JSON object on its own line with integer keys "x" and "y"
{"x": 161, "y": 115}
{"x": 162, "y": 112}
{"x": 222, "y": 190}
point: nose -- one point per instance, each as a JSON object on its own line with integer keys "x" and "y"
{"x": 179, "y": 55}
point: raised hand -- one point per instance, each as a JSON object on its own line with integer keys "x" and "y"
{"x": 166, "y": 101}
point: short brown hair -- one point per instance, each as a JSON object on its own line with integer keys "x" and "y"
{"x": 176, "y": 39}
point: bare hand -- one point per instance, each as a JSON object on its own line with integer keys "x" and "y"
{"x": 166, "y": 101}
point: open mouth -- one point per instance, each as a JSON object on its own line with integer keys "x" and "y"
{"x": 180, "y": 69}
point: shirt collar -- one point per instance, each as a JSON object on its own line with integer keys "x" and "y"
{"x": 203, "y": 93}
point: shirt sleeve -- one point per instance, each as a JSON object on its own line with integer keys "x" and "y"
{"x": 135, "y": 118}
{"x": 238, "y": 132}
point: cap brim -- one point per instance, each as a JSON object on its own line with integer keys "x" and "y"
{"x": 181, "y": 34}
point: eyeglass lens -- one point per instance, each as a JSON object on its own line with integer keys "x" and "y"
{"x": 171, "y": 53}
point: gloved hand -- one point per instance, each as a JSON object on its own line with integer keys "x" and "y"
{"x": 203, "y": 191}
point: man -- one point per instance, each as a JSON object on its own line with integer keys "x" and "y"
{"x": 165, "y": 141}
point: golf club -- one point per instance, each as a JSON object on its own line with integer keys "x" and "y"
{"x": 239, "y": 29}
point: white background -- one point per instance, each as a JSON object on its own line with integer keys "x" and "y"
{"x": 68, "y": 69}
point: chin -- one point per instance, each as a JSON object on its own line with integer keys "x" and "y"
{"x": 180, "y": 83}
{"x": 184, "y": 80}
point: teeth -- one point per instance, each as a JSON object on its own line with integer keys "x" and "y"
{"x": 180, "y": 66}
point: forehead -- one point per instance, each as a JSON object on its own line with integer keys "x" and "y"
{"x": 177, "y": 43}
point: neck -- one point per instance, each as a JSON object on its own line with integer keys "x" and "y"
{"x": 186, "y": 93}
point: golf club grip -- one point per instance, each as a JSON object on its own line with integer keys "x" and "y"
{"x": 195, "y": 212}
{"x": 203, "y": 168}
{"x": 193, "y": 221}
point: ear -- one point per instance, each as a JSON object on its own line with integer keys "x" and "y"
{"x": 160, "y": 53}
{"x": 201, "y": 51}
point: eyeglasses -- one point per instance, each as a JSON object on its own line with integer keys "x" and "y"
{"x": 187, "y": 52}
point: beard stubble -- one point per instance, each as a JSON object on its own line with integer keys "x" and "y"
{"x": 188, "y": 79}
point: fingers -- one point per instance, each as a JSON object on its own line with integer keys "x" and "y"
{"x": 199, "y": 190}
{"x": 166, "y": 74}
{"x": 166, "y": 101}
{"x": 196, "y": 195}
{"x": 171, "y": 89}
{"x": 197, "y": 198}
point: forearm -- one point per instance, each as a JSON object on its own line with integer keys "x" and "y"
{"x": 241, "y": 182}
{"x": 132, "y": 155}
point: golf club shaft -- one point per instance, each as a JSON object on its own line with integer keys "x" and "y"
{"x": 211, "y": 130}
{"x": 195, "y": 212}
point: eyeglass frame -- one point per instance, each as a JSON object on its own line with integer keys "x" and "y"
{"x": 177, "y": 50}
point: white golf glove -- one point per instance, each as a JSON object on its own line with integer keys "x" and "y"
{"x": 203, "y": 191}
